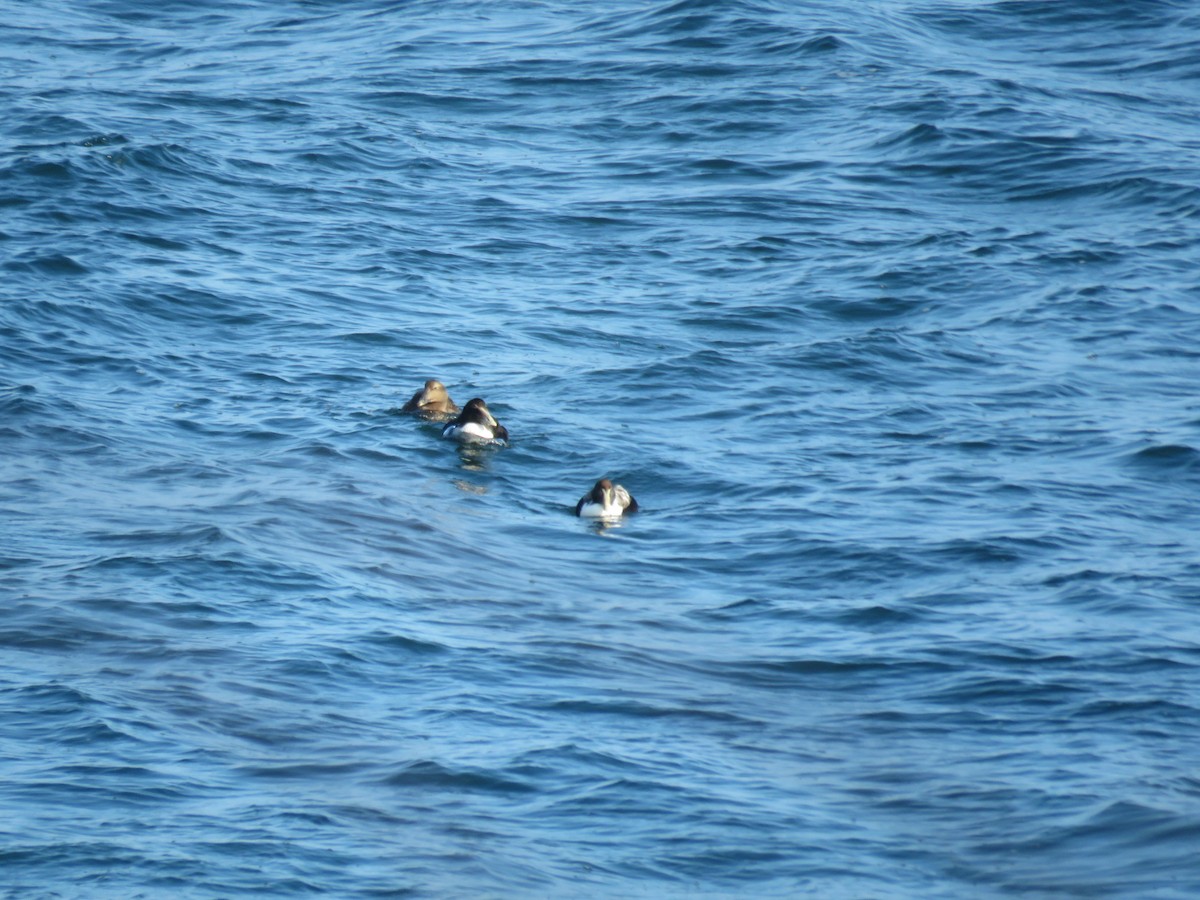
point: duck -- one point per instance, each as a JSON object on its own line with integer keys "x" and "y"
{"x": 475, "y": 424}
{"x": 431, "y": 400}
{"x": 606, "y": 500}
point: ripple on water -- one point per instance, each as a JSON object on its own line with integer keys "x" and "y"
{"x": 884, "y": 318}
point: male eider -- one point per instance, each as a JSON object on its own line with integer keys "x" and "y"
{"x": 431, "y": 400}
{"x": 606, "y": 500}
{"x": 475, "y": 424}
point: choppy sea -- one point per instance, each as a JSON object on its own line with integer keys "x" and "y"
{"x": 887, "y": 313}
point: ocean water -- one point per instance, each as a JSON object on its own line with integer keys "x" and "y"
{"x": 887, "y": 313}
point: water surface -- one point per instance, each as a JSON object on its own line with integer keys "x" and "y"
{"x": 887, "y": 315}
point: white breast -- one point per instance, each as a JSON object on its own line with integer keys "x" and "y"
{"x": 595, "y": 510}
{"x": 471, "y": 431}
{"x": 620, "y": 500}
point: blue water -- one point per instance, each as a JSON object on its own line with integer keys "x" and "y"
{"x": 887, "y": 313}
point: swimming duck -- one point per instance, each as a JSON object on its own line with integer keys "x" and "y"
{"x": 606, "y": 500}
{"x": 430, "y": 400}
{"x": 475, "y": 424}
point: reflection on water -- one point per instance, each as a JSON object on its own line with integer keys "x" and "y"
{"x": 874, "y": 639}
{"x": 477, "y": 457}
{"x": 604, "y": 525}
